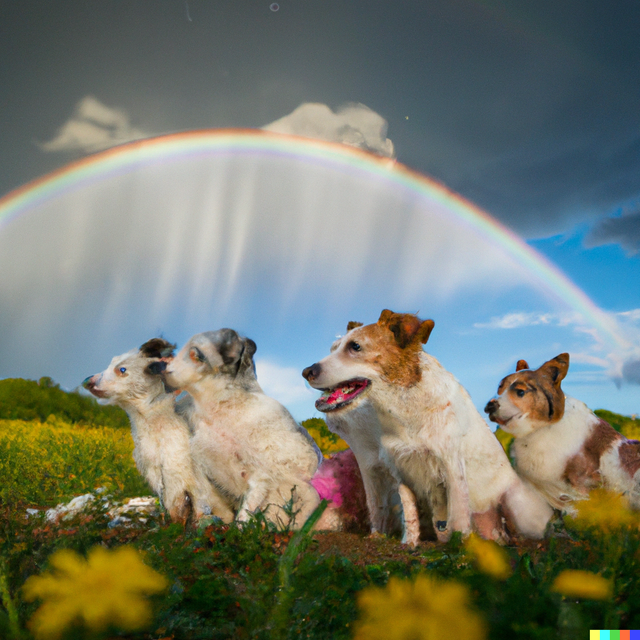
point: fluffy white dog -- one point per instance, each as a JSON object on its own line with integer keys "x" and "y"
{"x": 162, "y": 451}
{"x": 246, "y": 442}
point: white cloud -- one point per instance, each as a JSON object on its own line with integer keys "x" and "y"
{"x": 94, "y": 127}
{"x": 285, "y": 384}
{"x": 516, "y": 320}
{"x": 353, "y": 124}
{"x": 622, "y": 364}
{"x": 631, "y": 316}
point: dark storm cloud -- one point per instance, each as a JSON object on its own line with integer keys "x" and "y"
{"x": 623, "y": 230}
{"x": 527, "y": 108}
{"x": 631, "y": 371}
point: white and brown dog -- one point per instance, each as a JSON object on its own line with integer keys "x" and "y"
{"x": 430, "y": 431}
{"x": 162, "y": 451}
{"x": 246, "y": 442}
{"x": 560, "y": 445}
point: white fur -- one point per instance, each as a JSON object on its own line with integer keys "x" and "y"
{"x": 391, "y": 506}
{"x": 247, "y": 442}
{"x": 440, "y": 445}
{"x": 162, "y": 449}
{"x": 541, "y": 454}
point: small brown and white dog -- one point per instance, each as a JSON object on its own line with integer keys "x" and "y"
{"x": 560, "y": 445}
{"x": 162, "y": 452}
{"x": 430, "y": 430}
{"x": 246, "y": 442}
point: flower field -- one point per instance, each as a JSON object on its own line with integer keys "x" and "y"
{"x": 147, "y": 579}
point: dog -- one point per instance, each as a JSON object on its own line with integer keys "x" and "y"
{"x": 441, "y": 447}
{"x": 560, "y": 445}
{"x": 247, "y": 442}
{"x": 391, "y": 508}
{"x": 162, "y": 450}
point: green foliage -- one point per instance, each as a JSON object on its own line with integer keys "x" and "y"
{"x": 46, "y": 463}
{"x": 327, "y": 441}
{"x": 627, "y": 426}
{"x": 30, "y": 400}
{"x": 254, "y": 581}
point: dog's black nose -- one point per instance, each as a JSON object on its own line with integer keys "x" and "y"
{"x": 312, "y": 372}
{"x": 88, "y": 383}
{"x": 492, "y": 406}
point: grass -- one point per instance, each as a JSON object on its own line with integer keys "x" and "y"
{"x": 255, "y": 582}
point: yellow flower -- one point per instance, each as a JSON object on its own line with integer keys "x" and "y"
{"x": 108, "y": 588}
{"x": 424, "y": 609}
{"x": 605, "y": 510}
{"x": 489, "y": 557}
{"x": 583, "y": 584}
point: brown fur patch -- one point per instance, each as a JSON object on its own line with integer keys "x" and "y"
{"x": 397, "y": 365}
{"x": 407, "y": 328}
{"x": 522, "y": 364}
{"x": 629, "y": 453}
{"x": 583, "y": 469}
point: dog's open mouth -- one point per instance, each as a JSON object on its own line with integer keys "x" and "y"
{"x": 503, "y": 422}
{"x": 342, "y": 395}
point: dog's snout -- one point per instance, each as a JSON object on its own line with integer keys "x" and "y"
{"x": 89, "y": 383}
{"x": 492, "y": 406}
{"x": 312, "y": 372}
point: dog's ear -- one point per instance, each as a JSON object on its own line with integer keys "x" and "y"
{"x": 156, "y": 368}
{"x": 557, "y": 368}
{"x": 246, "y": 359}
{"x": 352, "y": 325}
{"x": 230, "y": 346}
{"x": 406, "y": 327}
{"x": 157, "y": 348}
{"x": 522, "y": 364}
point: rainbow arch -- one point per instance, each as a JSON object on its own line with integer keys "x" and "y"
{"x": 125, "y": 158}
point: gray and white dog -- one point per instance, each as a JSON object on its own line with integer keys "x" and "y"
{"x": 245, "y": 441}
{"x": 162, "y": 449}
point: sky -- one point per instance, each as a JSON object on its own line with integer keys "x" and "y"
{"x": 529, "y": 110}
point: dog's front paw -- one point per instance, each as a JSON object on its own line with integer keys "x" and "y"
{"x": 443, "y": 533}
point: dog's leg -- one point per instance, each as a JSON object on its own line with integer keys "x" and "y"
{"x": 208, "y": 500}
{"x": 384, "y": 501}
{"x": 489, "y": 525}
{"x": 459, "y": 512}
{"x": 304, "y": 499}
{"x": 526, "y": 509}
{"x": 439, "y": 509}
{"x": 254, "y": 498}
{"x": 411, "y": 534}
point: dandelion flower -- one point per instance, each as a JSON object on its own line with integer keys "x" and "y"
{"x": 424, "y": 609}
{"x": 583, "y": 584}
{"x": 604, "y": 510}
{"x": 109, "y": 588}
{"x": 489, "y": 557}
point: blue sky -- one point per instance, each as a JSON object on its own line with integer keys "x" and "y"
{"x": 528, "y": 109}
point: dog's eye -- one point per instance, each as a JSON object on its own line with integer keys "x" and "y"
{"x": 354, "y": 346}
{"x": 196, "y": 355}
{"x": 520, "y": 393}
{"x": 121, "y": 371}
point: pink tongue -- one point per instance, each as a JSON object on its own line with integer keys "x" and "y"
{"x": 341, "y": 393}
{"x": 336, "y": 396}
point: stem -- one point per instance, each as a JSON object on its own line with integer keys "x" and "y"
{"x": 14, "y": 623}
{"x": 284, "y": 596}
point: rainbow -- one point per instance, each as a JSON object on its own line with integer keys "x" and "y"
{"x": 124, "y": 158}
